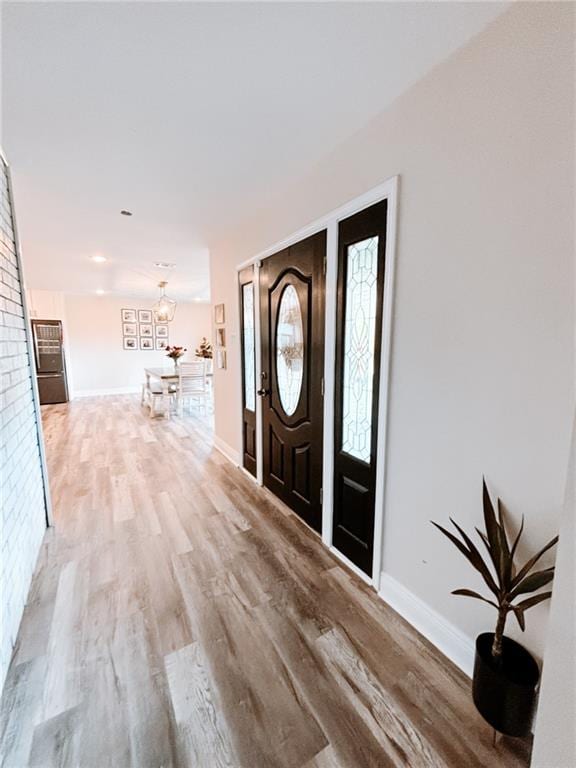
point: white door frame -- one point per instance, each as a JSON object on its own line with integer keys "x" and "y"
{"x": 386, "y": 191}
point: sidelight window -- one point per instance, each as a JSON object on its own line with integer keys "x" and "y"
{"x": 249, "y": 359}
{"x": 360, "y": 303}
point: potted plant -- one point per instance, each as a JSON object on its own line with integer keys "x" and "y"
{"x": 505, "y": 674}
{"x": 175, "y": 353}
{"x": 205, "y": 351}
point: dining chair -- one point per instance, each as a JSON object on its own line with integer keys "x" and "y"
{"x": 151, "y": 391}
{"x": 191, "y": 384}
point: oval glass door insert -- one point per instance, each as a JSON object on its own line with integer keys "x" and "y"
{"x": 289, "y": 350}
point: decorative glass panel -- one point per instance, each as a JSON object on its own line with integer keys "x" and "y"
{"x": 359, "y": 343}
{"x": 289, "y": 350}
{"x": 248, "y": 331}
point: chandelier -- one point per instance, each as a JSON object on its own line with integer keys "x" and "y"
{"x": 164, "y": 309}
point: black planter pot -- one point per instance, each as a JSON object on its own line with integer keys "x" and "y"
{"x": 504, "y": 691}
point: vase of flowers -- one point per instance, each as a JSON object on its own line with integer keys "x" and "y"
{"x": 175, "y": 353}
{"x": 205, "y": 349}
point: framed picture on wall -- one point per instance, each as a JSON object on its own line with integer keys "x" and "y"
{"x": 144, "y": 315}
{"x": 220, "y": 337}
{"x": 129, "y": 316}
{"x": 129, "y": 329}
{"x": 130, "y": 342}
{"x": 161, "y": 331}
{"x": 146, "y": 329}
{"x": 219, "y": 313}
{"x": 146, "y": 343}
{"x": 161, "y": 343}
{"x": 221, "y": 358}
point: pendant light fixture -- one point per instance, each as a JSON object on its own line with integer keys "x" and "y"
{"x": 164, "y": 309}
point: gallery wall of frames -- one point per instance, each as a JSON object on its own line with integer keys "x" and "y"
{"x": 220, "y": 334}
{"x": 139, "y": 331}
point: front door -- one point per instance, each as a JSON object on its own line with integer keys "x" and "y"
{"x": 361, "y": 264}
{"x": 291, "y": 380}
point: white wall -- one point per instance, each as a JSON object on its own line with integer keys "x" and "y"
{"x": 555, "y": 734}
{"x": 46, "y": 305}
{"x": 482, "y": 359}
{"x": 96, "y": 360}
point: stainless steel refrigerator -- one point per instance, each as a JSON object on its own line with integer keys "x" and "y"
{"x": 50, "y": 363}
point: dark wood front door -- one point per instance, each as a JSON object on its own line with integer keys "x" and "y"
{"x": 291, "y": 380}
{"x": 248, "y": 341}
{"x": 361, "y": 264}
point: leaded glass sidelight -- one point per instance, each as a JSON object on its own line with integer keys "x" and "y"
{"x": 289, "y": 350}
{"x": 359, "y": 347}
{"x": 248, "y": 338}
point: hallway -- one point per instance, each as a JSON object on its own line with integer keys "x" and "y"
{"x": 179, "y": 616}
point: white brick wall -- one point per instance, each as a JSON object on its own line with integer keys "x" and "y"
{"x": 23, "y": 514}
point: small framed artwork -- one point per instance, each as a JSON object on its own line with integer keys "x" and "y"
{"x": 219, "y": 314}
{"x": 144, "y": 315}
{"x": 161, "y": 331}
{"x": 129, "y": 329}
{"x": 220, "y": 337}
{"x": 146, "y": 343}
{"x": 161, "y": 343}
{"x": 221, "y": 358}
{"x": 129, "y": 316}
{"x": 146, "y": 329}
{"x": 130, "y": 342}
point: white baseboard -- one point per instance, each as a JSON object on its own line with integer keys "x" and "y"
{"x": 349, "y": 564}
{"x": 250, "y": 476}
{"x": 453, "y": 643}
{"x": 227, "y": 451}
{"x": 99, "y": 392}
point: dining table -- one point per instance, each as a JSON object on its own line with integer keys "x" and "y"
{"x": 167, "y": 377}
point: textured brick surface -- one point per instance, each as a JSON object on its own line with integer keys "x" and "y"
{"x": 23, "y": 520}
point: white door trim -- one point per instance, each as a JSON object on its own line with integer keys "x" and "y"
{"x": 331, "y": 284}
{"x": 386, "y": 191}
{"x": 385, "y": 374}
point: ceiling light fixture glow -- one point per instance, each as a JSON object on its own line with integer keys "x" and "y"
{"x": 165, "y": 308}
{"x": 100, "y": 292}
{"x": 98, "y": 258}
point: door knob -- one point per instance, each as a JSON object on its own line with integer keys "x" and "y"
{"x": 263, "y": 392}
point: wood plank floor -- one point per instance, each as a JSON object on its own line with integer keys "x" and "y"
{"x": 179, "y": 616}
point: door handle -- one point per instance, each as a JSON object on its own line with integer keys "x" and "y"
{"x": 263, "y": 392}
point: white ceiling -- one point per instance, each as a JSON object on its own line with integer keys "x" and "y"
{"x": 189, "y": 115}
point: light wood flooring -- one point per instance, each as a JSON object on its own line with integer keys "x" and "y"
{"x": 179, "y": 616}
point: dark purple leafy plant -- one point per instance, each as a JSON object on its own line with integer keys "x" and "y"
{"x": 506, "y": 581}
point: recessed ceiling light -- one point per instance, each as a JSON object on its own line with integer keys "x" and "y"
{"x": 98, "y": 258}
{"x": 100, "y": 292}
{"x": 126, "y": 213}
{"x": 164, "y": 265}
